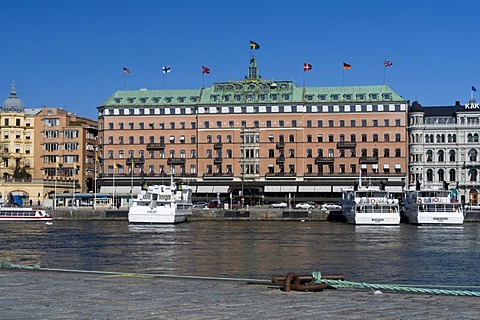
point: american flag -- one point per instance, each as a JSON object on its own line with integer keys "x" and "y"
{"x": 388, "y": 63}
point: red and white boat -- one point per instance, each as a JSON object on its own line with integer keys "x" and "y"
{"x": 23, "y": 214}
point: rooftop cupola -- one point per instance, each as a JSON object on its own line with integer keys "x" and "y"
{"x": 13, "y": 103}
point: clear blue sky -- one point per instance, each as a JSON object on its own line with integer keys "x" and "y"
{"x": 70, "y": 54}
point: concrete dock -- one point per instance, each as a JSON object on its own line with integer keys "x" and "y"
{"x": 28, "y": 294}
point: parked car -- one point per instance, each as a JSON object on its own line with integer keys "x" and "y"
{"x": 279, "y": 204}
{"x": 199, "y": 205}
{"x": 330, "y": 206}
{"x": 214, "y": 204}
{"x": 236, "y": 205}
{"x": 304, "y": 205}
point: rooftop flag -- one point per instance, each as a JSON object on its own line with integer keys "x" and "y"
{"x": 205, "y": 70}
{"x": 59, "y": 165}
{"x": 126, "y": 70}
{"x": 254, "y": 45}
{"x": 166, "y": 69}
{"x": 347, "y": 65}
{"x": 307, "y": 67}
{"x": 474, "y": 89}
{"x": 388, "y": 63}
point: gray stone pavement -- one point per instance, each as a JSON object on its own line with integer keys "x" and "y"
{"x": 68, "y": 295}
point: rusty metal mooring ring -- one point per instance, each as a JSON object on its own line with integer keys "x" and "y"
{"x": 292, "y": 282}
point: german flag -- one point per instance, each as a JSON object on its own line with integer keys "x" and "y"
{"x": 347, "y": 66}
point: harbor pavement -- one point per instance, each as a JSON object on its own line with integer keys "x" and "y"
{"x": 28, "y": 294}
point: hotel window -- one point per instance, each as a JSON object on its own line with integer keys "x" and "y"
{"x": 397, "y": 122}
{"x": 151, "y": 154}
{"x": 281, "y": 109}
{"x": 269, "y": 123}
{"x": 347, "y": 96}
{"x": 294, "y": 123}
{"x": 131, "y": 125}
{"x": 262, "y": 97}
{"x": 331, "y": 168}
{"x": 229, "y": 153}
{"x": 150, "y": 125}
{"x": 172, "y": 153}
{"x": 291, "y": 138}
{"x": 319, "y": 153}
{"x": 373, "y": 96}
{"x": 341, "y": 138}
{"x": 110, "y": 154}
{"x": 398, "y": 153}
{"x": 172, "y": 139}
{"x": 250, "y": 97}
{"x": 281, "y": 123}
{"x": 193, "y": 153}
{"x": 182, "y": 139}
{"x": 110, "y": 140}
{"x": 209, "y": 153}
{"x": 309, "y": 153}
{"x": 161, "y": 125}
{"x": 319, "y": 123}
{"x": 256, "y": 109}
{"x": 342, "y": 168}
{"x": 309, "y": 97}
{"x": 330, "y": 123}
{"x": 110, "y": 124}
{"x": 330, "y": 138}
{"x": 209, "y": 139}
{"x": 231, "y": 110}
{"x": 375, "y": 137}
{"x": 231, "y": 124}
{"x": 386, "y": 153}
{"x": 386, "y": 122}
{"x": 172, "y": 125}
{"x": 386, "y": 137}
{"x": 193, "y": 139}
{"x": 341, "y": 153}
{"x": 141, "y": 153}
{"x": 309, "y": 123}
{"x": 291, "y": 153}
{"x": 219, "y": 124}
{"x": 364, "y": 152}
{"x": 335, "y": 97}
{"x": 274, "y": 96}
{"x": 375, "y": 122}
{"x": 244, "y": 124}
{"x": 206, "y": 124}
{"x": 309, "y": 138}
{"x": 229, "y": 139}
{"x": 364, "y": 122}
{"x": 375, "y": 153}
{"x": 319, "y": 138}
{"x": 120, "y": 126}
{"x": 375, "y": 108}
{"x": 353, "y": 123}
{"x": 226, "y": 97}
{"x": 255, "y": 124}
{"x": 342, "y": 123}
{"x": 353, "y": 168}
{"x": 330, "y": 109}
{"x": 141, "y": 140}
{"x": 387, "y": 96}
{"x": 353, "y": 137}
{"x": 131, "y": 140}
{"x": 364, "y": 137}
{"x": 353, "y": 153}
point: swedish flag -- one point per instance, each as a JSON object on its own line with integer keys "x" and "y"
{"x": 59, "y": 165}
{"x": 254, "y": 45}
{"x": 117, "y": 165}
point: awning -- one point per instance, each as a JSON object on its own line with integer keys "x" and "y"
{"x": 288, "y": 188}
{"x": 375, "y": 166}
{"x": 314, "y": 188}
{"x": 120, "y": 189}
{"x": 204, "y": 189}
{"x": 220, "y": 189}
{"x": 272, "y": 188}
{"x": 363, "y": 166}
{"x": 386, "y": 166}
{"x": 398, "y": 166}
{"x": 339, "y": 188}
{"x": 397, "y": 189}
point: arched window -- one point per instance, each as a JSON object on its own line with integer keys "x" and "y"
{"x": 472, "y": 173}
{"x": 429, "y": 175}
{"x": 452, "y": 155}
{"x": 475, "y": 137}
{"x": 469, "y": 138}
{"x": 375, "y": 153}
{"x": 454, "y": 138}
{"x": 472, "y": 155}
{"x": 452, "y": 175}
{"x": 309, "y": 138}
{"x": 441, "y": 156}
{"x": 429, "y": 155}
{"x": 441, "y": 175}
{"x": 309, "y": 153}
{"x": 439, "y": 138}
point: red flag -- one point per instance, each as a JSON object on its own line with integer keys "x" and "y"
{"x": 307, "y": 67}
{"x": 205, "y": 70}
{"x": 347, "y": 66}
{"x": 126, "y": 70}
{"x": 388, "y": 63}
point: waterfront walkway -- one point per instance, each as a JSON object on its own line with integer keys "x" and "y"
{"x": 30, "y": 294}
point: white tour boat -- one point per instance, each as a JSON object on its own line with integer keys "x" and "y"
{"x": 370, "y": 205}
{"x": 432, "y": 206}
{"x": 162, "y": 204}
{"x": 23, "y": 214}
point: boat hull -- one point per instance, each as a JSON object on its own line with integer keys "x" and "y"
{"x": 373, "y": 219}
{"x": 441, "y": 218}
{"x": 2, "y": 218}
{"x": 152, "y": 217}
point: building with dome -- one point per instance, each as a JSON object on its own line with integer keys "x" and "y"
{"x": 444, "y": 148}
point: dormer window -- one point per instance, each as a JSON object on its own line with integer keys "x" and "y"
{"x": 156, "y": 99}
{"x": 238, "y": 97}
{"x": 387, "y": 96}
{"x": 361, "y": 96}
{"x": 286, "y": 96}
{"x": 251, "y": 86}
{"x": 322, "y": 97}
{"x": 168, "y": 99}
{"x": 181, "y": 99}
{"x": 335, "y": 96}
{"x": 250, "y": 97}
{"x": 230, "y": 87}
{"x": 143, "y": 100}
{"x": 219, "y": 87}
{"x": 226, "y": 97}
{"x": 130, "y": 100}
{"x": 309, "y": 97}
{"x": 374, "y": 96}
{"x": 347, "y": 96}
{"x": 194, "y": 99}
{"x": 214, "y": 97}
{"x": 274, "y": 96}
{"x": 118, "y": 100}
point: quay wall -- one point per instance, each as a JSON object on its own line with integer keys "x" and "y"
{"x": 219, "y": 214}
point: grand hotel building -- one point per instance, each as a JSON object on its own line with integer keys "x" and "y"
{"x": 255, "y": 138}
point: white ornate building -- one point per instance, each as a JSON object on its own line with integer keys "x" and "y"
{"x": 444, "y": 148}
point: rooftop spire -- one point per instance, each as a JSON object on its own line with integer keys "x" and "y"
{"x": 253, "y": 69}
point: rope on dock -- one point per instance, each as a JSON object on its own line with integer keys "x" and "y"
{"x": 317, "y": 278}
{"x": 8, "y": 265}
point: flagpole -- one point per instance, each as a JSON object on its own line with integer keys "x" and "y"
{"x": 304, "y": 78}
{"x": 343, "y": 76}
{"x": 131, "y": 186}
{"x": 384, "y": 73}
{"x": 125, "y": 80}
{"x": 163, "y": 76}
{"x": 113, "y": 192}
{"x": 55, "y": 190}
{"x": 95, "y": 183}
{"x": 73, "y": 192}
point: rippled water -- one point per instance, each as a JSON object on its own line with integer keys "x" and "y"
{"x": 402, "y": 254}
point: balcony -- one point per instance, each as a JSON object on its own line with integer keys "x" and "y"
{"x": 346, "y": 145}
{"x": 217, "y": 145}
{"x": 368, "y": 160}
{"x": 280, "y": 160}
{"x": 218, "y": 160}
{"x": 135, "y": 161}
{"x": 280, "y": 145}
{"x": 173, "y": 161}
{"x": 324, "y": 160}
{"x": 156, "y": 146}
